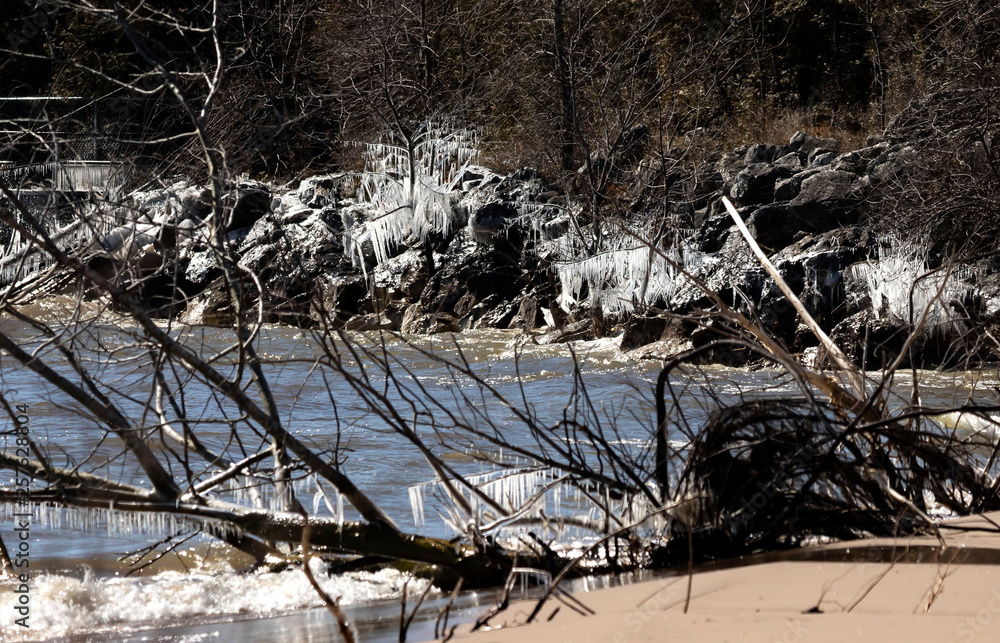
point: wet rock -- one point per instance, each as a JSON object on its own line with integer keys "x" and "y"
{"x": 529, "y": 315}
{"x": 642, "y": 330}
{"x": 418, "y": 321}
{"x": 402, "y": 277}
{"x": 662, "y": 349}
{"x": 213, "y": 308}
{"x": 715, "y": 349}
{"x": 814, "y": 267}
{"x": 870, "y": 341}
{"x": 492, "y": 311}
{"x": 477, "y": 270}
{"x": 337, "y": 298}
{"x": 579, "y": 330}
{"x": 370, "y": 322}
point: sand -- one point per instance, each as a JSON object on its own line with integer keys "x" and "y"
{"x": 879, "y": 596}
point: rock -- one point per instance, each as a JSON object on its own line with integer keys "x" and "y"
{"x": 775, "y": 225}
{"x": 792, "y": 161}
{"x": 814, "y": 267}
{"x": 417, "y": 321}
{"x": 828, "y": 199}
{"x": 822, "y": 159}
{"x": 529, "y": 315}
{"x": 808, "y": 144}
{"x": 258, "y": 257}
{"x": 287, "y": 209}
{"x": 893, "y": 164}
{"x": 369, "y": 322}
{"x": 733, "y": 267}
{"x": 337, "y": 298}
{"x": 732, "y": 163}
{"x": 762, "y": 153}
{"x": 662, "y": 349}
{"x": 788, "y": 189}
{"x": 492, "y": 311}
{"x": 641, "y": 330}
{"x": 128, "y": 240}
{"x": 849, "y": 162}
{"x": 245, "y": 205}
{"x": 203, "y": 267}
{"x": 319, "y": 191}
{"x": 523, "y": 185}
{"x": 210, "y": 309}
{"x": 713, "y": 233}
{"x": 469, "y": 268}
{"x": 717, "y": 352}
{"x": 491, "y": 220}
{"x": 403, "y": 277}
{"x": 869, "y": 341}
{"x": 579, "y": 330}
{"x": 755, "y": 184}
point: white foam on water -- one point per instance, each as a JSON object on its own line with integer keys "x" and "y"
{"x": 63, "y": 605}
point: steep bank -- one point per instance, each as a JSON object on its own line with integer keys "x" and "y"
{"x": 464, "y": 247}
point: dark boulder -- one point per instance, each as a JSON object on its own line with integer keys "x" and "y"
{"x": 788, "y": 189}
{"x": 467, "y": 268}
{"x": 243, "y": 206}
{"x": 755, "y": 184}
{"x": 417, "y": 321}
{"x": 828, "y": 199}
{"x": 641, "y": 330}
{"x": 491, "y": 220}
{"x": 809, "y": 145}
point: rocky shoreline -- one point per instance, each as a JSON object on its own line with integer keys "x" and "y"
{"x": 309, "y": 256}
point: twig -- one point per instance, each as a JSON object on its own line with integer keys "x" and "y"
{"x": 404, "y": 621}
{"x": 332, "y": 604}
{"x": 446, "y": 610}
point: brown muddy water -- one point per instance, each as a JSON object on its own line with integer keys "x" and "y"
{"x": 79, "y": 592}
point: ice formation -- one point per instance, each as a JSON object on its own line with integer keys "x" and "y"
{"x": 900, "y": 285}
{"x": 532, "y": 496}
{"x": 413, "y": 189}
{"x": 624, "y": 274}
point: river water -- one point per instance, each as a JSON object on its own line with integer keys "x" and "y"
{"x": 79, "y": 589}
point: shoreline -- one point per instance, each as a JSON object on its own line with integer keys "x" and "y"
{"x": 954, "y": 598}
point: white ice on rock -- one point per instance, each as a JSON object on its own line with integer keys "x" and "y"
{"x": 623, "y": 274}
{"x": 412, "y": 191}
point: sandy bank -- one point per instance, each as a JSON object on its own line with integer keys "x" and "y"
{"x": 881, "y": 595}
